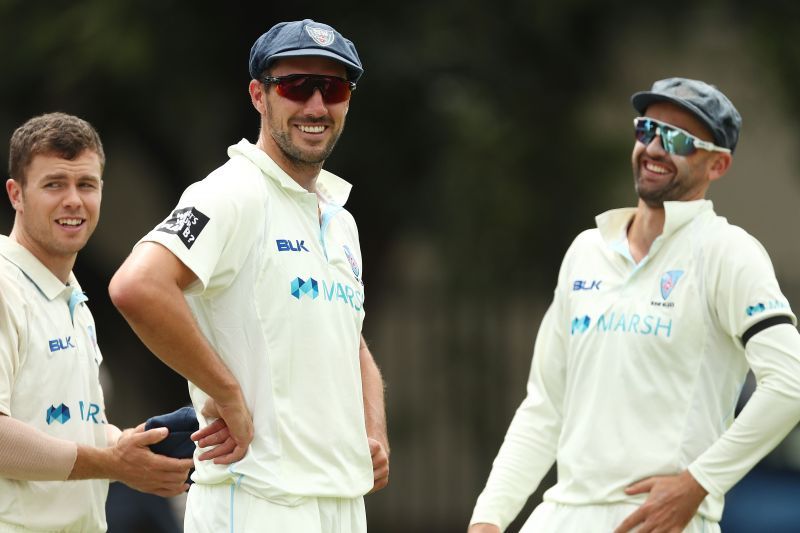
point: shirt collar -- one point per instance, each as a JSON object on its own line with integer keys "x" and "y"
{"x": 613, "y": 224}
{"x": 47, "y": 283}
{"x": 330, "y": 187}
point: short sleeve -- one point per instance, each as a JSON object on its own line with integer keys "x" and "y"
{"x": 12, "y": 328}
{"x": 745, "y": 292}
{"x": 213, "y": 227}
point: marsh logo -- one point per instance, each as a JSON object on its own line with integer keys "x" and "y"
{"x": 760, "y": 307}
{"x": 668, "y": 282}
{"x": 580, "y": 324}
{"x": 632, "y": 323}
{"x": 58, "y": 414}
{"x": 330, "y": 291}
{"x": 301, "y": 286}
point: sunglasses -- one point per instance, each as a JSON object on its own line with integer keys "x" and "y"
{"x": 301, "y": 87}
{"x": 674, "y": 140}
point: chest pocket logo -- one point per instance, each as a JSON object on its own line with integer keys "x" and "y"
{"x": 668, "y": 282}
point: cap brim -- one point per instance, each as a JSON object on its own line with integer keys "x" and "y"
{"x": 642, "y": 100}
{"x": 354, "y": 71}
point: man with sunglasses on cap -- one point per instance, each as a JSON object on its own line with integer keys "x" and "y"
{"x": 657, "y": 316}
{"x": 269, "y": 263}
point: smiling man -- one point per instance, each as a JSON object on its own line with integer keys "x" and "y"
{"x": 57, "y": 451}
{"x": 657, "y": 316}
{"x": 252, "y": 289}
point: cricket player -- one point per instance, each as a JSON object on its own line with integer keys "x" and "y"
{"x": 252, "y": 289}
{"x": 57, "y": 450}
{"x": 657, "y": 316}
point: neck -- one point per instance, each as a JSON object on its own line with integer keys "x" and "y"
{"x": 305, "y": 174}
{"x": 647, "y": 224}
{"x": 59, "y": 265}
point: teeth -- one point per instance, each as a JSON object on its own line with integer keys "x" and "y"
{"x": 70, "y": 221}
{"x": 312, "y": 129}
{"x": 656, "y": 168}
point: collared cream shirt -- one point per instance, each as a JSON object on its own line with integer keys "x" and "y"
{"x": 280, "y": 298}
{"x": 49, "y": 379}
{"x": 637, "y": 367}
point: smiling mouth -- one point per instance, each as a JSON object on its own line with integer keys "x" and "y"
{"x": 655, "y": 168}
{"x": 70, "y": 222}
{"x": 310, "y": 129}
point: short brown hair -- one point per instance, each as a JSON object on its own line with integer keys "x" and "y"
{"x": 64, "y": 135}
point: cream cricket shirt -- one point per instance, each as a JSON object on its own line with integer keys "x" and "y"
{"x": 637, "y": 368}
{"x": 49, "y": 365}
{"x": 280, "y": 298}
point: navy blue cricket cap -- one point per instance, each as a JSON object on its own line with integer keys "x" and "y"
{"x": 704, "y": 101}
{"x": 304, "y": 38}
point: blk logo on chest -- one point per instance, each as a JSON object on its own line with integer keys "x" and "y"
{"x": 297, "y": 245}
{"x": 584, "y": 285}
{"x": 60, "y": 344}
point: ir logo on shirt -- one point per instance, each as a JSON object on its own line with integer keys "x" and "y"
{"x": 186, "y": 223}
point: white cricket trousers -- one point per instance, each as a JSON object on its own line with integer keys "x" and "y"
{"x": 230, "y": 509}
{"x": 550, "y": 517}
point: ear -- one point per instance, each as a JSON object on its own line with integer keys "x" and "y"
{"x": 14, "y": 191}
{"x": 256, "y": 89}
{"x": 720, "y": 163}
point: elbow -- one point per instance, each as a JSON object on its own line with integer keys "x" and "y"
{"x": 126, "y": 291}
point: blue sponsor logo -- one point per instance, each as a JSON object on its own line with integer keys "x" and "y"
{"x": 90, "y": 412}
{"x": 628, "y": 324}
{"x": 581, "y": 285}
{"x": 580, "y": 324}
{"x": 285, "y": 245}
{"x": 760, "y": 307}
{"x": 58, "y": 414}
{"x": 668, "y": 282}
{"x": 331, "y": 291}
{"x": 301, "y": 286}
{"x": 60, "y": 344}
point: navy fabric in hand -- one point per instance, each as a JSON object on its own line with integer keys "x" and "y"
{"x": 181, "y": 424}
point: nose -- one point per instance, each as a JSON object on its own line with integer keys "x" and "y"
{"x": 656, "y": 147}
{"x": 72, "y": 197}
{"x": 315, "y": 106}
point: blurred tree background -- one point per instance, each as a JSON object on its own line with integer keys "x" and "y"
{"x": 481, "y": 139}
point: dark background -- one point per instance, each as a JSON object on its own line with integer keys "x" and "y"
{"x": 481, "y": 139}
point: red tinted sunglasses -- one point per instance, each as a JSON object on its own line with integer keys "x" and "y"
{"x": 301, "y": 87}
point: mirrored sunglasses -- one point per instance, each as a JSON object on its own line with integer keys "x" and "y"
{"x": 674, "y": 140}
{"x": 301, "y": 87}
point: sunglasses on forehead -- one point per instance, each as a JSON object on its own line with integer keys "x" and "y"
{"x": 301, "y": 87}
{"x": 674, "y": 140}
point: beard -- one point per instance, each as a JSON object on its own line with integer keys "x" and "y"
{"x": 676, "y": 189}
{"x": 293, "y": 153}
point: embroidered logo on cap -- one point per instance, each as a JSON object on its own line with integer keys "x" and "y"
{"x": 321, "y": 36}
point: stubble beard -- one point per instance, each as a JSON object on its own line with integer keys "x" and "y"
{"x": 294, "y": 154}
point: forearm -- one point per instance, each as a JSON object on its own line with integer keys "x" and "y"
{"x": 526, "y": 455}
{"x": 32, "y": 455}
{"x": 373, "y": 393}
{"x": 769, "y": 415}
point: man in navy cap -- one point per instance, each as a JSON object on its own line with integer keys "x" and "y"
{"x": 252, "y": 289}
{"x": 657, "y": 316}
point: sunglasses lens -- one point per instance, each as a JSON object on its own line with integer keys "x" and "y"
{"x": 301, "y": 88}
{"x": 676, "y": 142}
{"x": 645, "y": 130}
{"x": 673, "y": 141}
